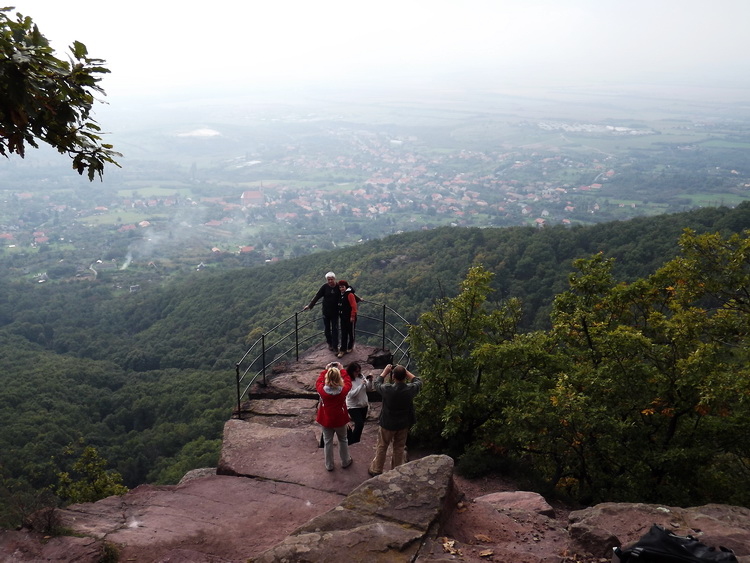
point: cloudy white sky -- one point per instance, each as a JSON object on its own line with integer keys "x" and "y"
{"x": 224, "y": 45}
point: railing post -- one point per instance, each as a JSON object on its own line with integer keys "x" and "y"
{"x": 263, "y": 353}
{"x": 239, "y": 407}
{"x": 296, "y": 335}
{"x": 383, "y": 347}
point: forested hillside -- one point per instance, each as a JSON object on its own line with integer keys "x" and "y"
{"x": 147, "y": 377}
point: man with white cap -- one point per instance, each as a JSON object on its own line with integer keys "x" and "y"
{"x": 330, "y": 294}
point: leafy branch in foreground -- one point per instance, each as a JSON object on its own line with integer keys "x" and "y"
{"x": 48, "y": 99}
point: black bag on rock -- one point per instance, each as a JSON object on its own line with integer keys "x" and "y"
{"x": 661, "y": 546}
{"x": 380, "y": 358}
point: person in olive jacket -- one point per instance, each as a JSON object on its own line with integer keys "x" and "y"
{"x": 333, "y": 385}
{"x": 396, "y": 414}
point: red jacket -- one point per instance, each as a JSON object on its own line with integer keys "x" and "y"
{"x": 332, "y": 411}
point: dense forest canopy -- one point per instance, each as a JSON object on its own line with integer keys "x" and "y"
{"x": 147, "y": 377}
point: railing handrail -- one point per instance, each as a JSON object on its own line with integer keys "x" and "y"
{"x": 396, "y": 339}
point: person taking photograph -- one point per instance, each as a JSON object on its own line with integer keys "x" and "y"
{"x": 357, "y": 402}
{"x": 333, "y": 385}
{"x": 396, "y": 415}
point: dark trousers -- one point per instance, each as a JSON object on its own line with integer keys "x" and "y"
{"x": 347, "y": 333}
{"x": 331, "y": 328}
{"x": 358, "y": 416}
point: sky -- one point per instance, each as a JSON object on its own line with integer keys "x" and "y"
{"x": 219, "y": 46}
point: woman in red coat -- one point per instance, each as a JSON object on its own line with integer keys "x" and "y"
{"x": 332, "y": 385}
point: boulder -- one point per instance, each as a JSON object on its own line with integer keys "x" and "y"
{"x": 598, "y": 529}
{"x": 197, "y": 474}
{"x": 510, "y": 501}
{"x": 517, "y": 529}
{"x": 385, "y": 519}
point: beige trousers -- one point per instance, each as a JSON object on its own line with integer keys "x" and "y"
{"x": 397, "y": 440}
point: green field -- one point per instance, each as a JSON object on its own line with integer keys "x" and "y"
{"x": 717, "y": 199}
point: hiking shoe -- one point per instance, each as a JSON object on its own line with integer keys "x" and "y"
{"x": 373, "y": 473}
{"x": 329, "y": 468}
{"x": 347, "y": 464}
{"x": 349, "y": 351}
{"x": 340, "y": 355}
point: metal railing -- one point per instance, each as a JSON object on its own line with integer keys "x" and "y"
{"x": 282, "y": 342}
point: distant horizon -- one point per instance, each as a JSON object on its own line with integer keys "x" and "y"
{"x": 290, "y": 47}
{"x": 464, "y": 81}
{"x": 459, "y": 88}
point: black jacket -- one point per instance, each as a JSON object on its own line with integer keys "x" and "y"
{"x": 331, "y": 297}
{"x": 345, "y": 307}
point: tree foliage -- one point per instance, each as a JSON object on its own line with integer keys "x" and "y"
{"x": 638, "y": 392}
{"x": 45, "y": 98}
{"x": 90, "y": 481}
{"x": 458, "y": 399}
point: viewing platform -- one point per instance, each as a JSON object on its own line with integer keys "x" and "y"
{"x": 280, "y": 417}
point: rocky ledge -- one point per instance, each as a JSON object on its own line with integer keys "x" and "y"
{"x": 271, "y": 499}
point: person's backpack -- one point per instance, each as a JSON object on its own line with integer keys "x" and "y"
{"x": 660, "y": 546}
{"x": 356, "y": 297}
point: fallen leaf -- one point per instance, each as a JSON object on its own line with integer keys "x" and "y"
{"x": 486, "y": 553}
{"x": 449, "y": 546}
{"x": 482, "y": 537}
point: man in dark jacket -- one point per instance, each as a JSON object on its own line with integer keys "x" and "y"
{"x": 396, "y": 414}
{"x": 330, "y": 294}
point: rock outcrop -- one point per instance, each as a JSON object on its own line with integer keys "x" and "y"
{"x": 271, "y": 499}
{"x": 388, "y": 518}
{"x": 598, "y": 529}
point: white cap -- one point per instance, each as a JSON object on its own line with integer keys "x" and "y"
{"x": 330, "y": 275}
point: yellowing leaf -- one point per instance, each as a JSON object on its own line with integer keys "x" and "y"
{"x": 449, "y": 546}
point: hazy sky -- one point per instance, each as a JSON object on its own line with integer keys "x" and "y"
{"x": 223, "y": 45}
